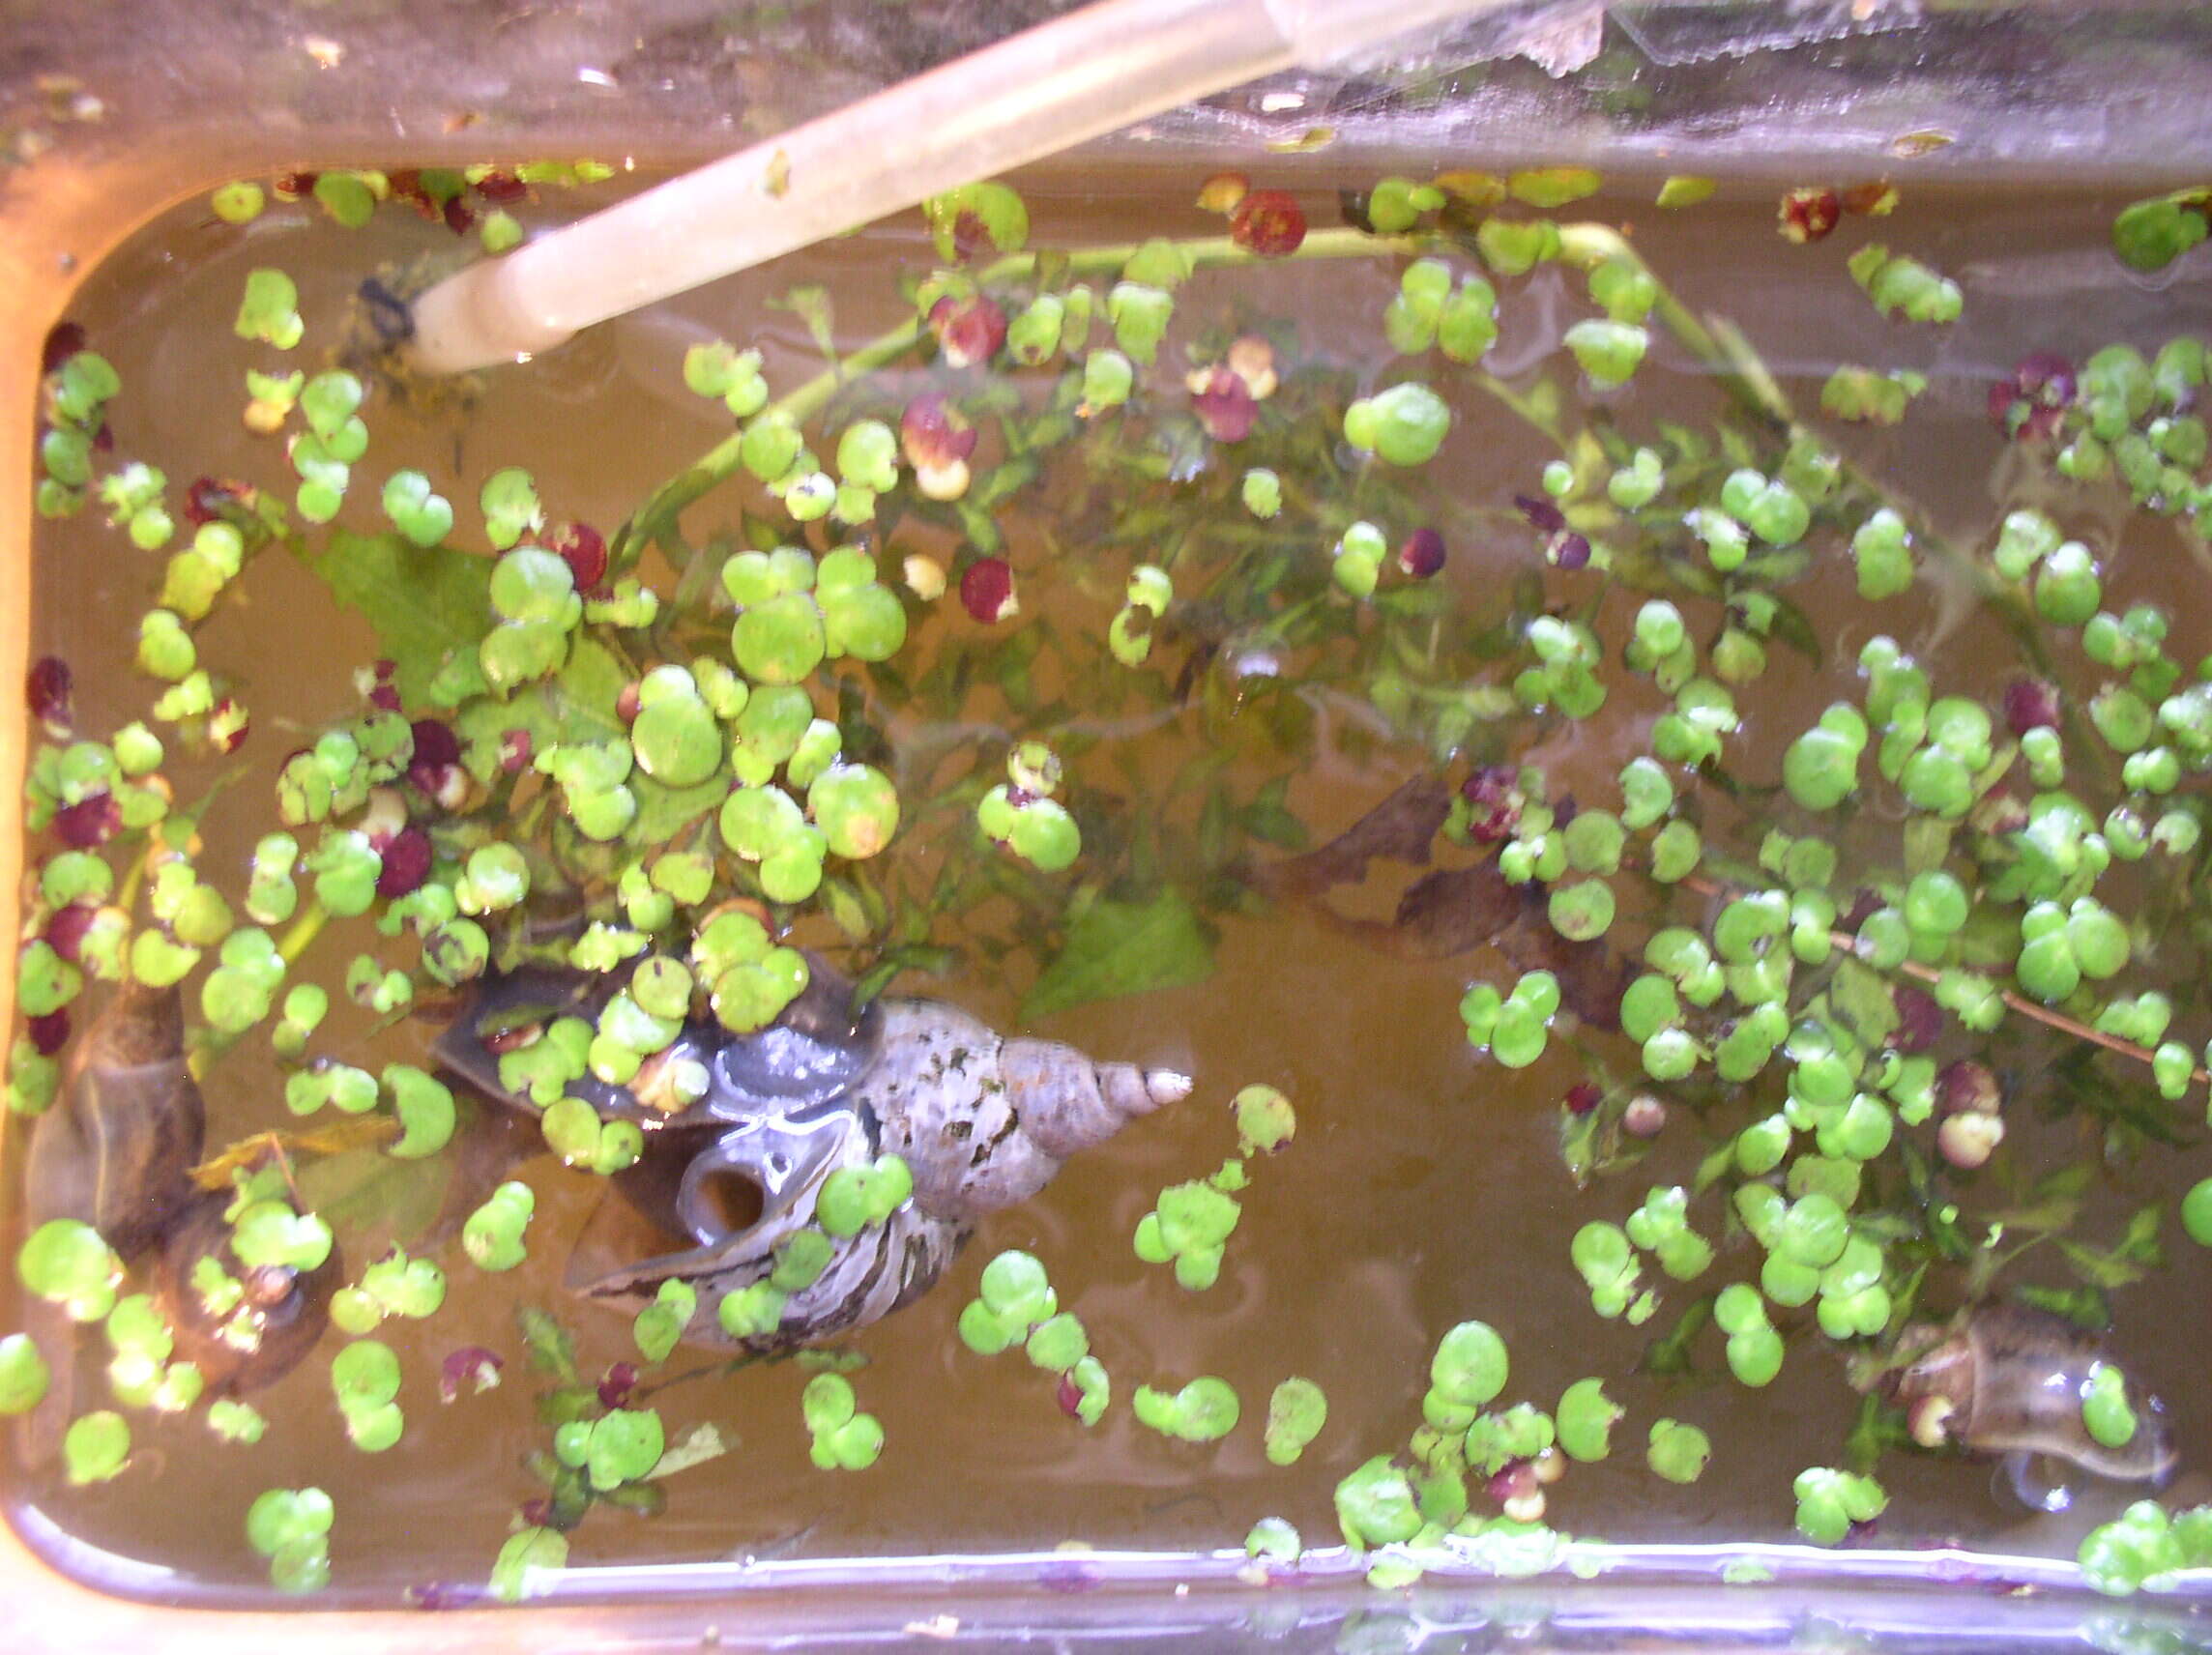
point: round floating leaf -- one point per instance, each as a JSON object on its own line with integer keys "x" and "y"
{"x": 1376, "y": 1505}
{"x": 779, "y": 641}
{"x": 1297, "y": 1411}
{"x": 1829, "y": 1501}
{"x": 857, "y": 808}
{"x": 23, "y": 1374}
{"x": 1586, "y": 1419}
{"x": 96, "y": 1447}
{"x": 531, "y": 583}
{"x": 1204, "y": 1410}
{"x": 492, "y": 1235}
{"x": 1265, "y": 1119}
{"x": 1470, "y": 1367}
{"x": 1679, "y": 1452}
{"x": 65, "y": 1262}
{"x": 365, "y": 1373}
{"x": 1045, "y": 835}
{"x": 1058, "y": 1344}
{"x": 270, "y": 1233}
{"x": 425, "y": 1109}
{"x": 623, "y": 1446}
{"x": 678, "y": 742}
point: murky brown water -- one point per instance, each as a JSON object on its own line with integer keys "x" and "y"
{"x": 1424, "y": 1188}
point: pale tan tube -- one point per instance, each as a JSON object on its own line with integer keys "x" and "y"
{"x": 1026, "y": 98}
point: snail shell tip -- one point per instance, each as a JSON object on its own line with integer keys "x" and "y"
{"x": 1165, "y": 1087}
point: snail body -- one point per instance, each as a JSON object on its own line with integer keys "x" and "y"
{"x": 279, "y": 1316}
{"x": 982, "y": 1121}
{"x": 116, "y": 1151}
{"x": 117, "y": 1147}
{"x": 2003, "y": 1379}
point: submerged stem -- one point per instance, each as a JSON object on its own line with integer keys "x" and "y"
{"x": 1846, "y": 943}
{"x": 657, "y": 516}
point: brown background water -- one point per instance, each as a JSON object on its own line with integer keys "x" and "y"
{"x": 1425, "y": 1185}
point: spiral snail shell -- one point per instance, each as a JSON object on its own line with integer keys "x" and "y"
{"x": 2003, "y": 1379}
{"x": 982, "y": 1121}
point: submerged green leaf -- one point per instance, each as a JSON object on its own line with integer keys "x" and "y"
{"x": 1115, "y": 948}
{"x": 430, "y": 605}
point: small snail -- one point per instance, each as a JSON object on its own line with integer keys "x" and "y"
{"x": 2003, "y": 1379}
{"x": 117, "y": 1151}
{"x": 280, "y": 1314}
{"x": 980, "y": 1121}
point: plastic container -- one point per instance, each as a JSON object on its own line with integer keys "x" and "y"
{"x": 108, "y": 124}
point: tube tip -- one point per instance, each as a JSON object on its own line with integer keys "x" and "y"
{"x": 470, "y": 320}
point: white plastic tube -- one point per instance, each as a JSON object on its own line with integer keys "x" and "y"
{"x": 1028, "y": 97}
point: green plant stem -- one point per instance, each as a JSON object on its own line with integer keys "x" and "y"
{"x": 1844, "y": 943}
{"x": 304, "y": 931}
{"x": 1735, "y": 362}
{"x": 657, "y": 516}
{"x": 296, "y": 942}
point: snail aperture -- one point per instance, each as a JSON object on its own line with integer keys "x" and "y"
{"x": 2003, "y": 1379}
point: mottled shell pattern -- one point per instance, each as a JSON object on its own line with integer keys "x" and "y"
{"x": 982, "y": 1121}
{"x": 2004, "y": 1378}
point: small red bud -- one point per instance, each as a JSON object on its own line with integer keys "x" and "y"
{"x": 406, "y": 863}
{"x": 1968, "y": 1088}
{"x": 89, "y": 822}
{"x": 64, "y": 339}
{"x": 50, "y": 1033}
{"x": 1423, "y": 553}
{"x": 1269, "y": 222}
{"x": 49, "y": 687}
{"x": 228, "y": 725}
{"x": 502, "y": 189}
{"x": 1494, "y": 792}
{"x": 1919, "y": 1020}
{"x": 1808, "y": 215}
{"x": 2030, "y": 703}
{"x": 472, "y": 1367}
{"x": 933, "y": 434}
{"x": 66, "y": 929}
{"x": 614, "y": 1388}
{"x": 1645, "y": 1117}
{"x": 987, "y": 589}
{"x": 585, "y": 551}
{"x": 967, "y": 330}
{"x": 1224, "y": 406}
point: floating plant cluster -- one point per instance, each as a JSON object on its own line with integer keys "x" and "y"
{"x": 655, "y": 766}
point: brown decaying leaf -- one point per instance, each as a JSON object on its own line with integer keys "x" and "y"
{"x": 1448, "y": 910}
{"x": 360, "y": 1132}
{"x": 1400, "y": 829}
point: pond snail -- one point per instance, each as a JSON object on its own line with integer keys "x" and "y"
{"x": 982, "y": 1121}
{"x": 116, "y": 1151}
{"x": 2003, "y": 1379}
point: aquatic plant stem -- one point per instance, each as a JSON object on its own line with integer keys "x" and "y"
{"x": 1844, "y": 943}
{"x": 296, "y": 942}
{"x": 657, "y": 516}
{"x": 1723, "y": 348}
